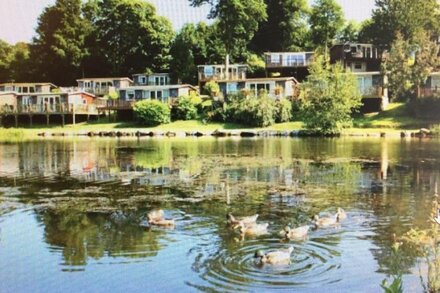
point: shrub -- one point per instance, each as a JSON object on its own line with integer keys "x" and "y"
{"x": 152, "y": 112}
{"x": 252, "y": 111}
{"x": 185, "y": 109}
{"x": 427, "y": 107}
{"x": 328, "y": 97}
{"x": 212, "y": 88}
{"x": 283, "y": 111}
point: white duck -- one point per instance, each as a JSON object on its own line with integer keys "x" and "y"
{"x": 157, "y": 217}
{"x": 297, "y": 233}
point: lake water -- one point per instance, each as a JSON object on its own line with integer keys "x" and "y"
{"x": 73, "y": 213}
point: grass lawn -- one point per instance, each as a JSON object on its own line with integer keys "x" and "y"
{"x": 393, "y": 120}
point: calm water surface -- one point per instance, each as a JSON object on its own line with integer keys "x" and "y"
{"x": 73, "y": 213}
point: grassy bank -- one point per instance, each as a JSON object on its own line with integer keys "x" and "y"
{"x": 392, "y": 121}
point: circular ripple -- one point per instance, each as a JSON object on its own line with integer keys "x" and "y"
{"x": 313, "y": 264}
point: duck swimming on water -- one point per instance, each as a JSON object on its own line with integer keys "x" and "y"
{"x": 245, "y": 220}
{"x": 275, "y": 257}
{"x": 157, "y": 217}
{"x": 297, "y": 233}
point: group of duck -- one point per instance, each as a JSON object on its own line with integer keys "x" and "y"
{"x": 249, "y": 226}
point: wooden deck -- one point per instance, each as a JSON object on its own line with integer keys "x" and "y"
{"x": 54, "y": 109}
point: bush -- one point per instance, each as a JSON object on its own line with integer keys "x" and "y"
{"x": 185, "y": 108}
{"x": 252, "y": 111}
{"x": 212, "y": 88}
{"x": 283, "y": 110}
{"x": 427, "y": 107}
{"x": 329, "y": 97}
{"x": 152, "y": 112}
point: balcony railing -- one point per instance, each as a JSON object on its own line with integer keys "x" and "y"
{"x": 371, "y": 92}
{"x": 49, "y": 109}
{"x": 115, "y": 104}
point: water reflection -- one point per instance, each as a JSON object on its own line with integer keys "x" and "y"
{"x": 92, "y": 196}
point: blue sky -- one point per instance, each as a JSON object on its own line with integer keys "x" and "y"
{"x": 18, "y": 18}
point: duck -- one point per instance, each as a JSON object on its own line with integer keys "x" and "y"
{"x": 245, "y": 220}
{"x": 157, "y": 217}
{"x": 275, "y": 257}
{"x": 342, "y": 215}
{"x": 323, "y": 222}
{"x": 297, "y": 233}
{"x": 253, "y": 229}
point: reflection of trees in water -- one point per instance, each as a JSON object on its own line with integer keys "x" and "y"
{"x": 85, "y": 235}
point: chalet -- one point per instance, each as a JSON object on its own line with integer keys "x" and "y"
{"x": 432, "y": 85}
{"x": 151, "y": 79}
{"x": 27, "y": 87}
{"x": 103, "y": 86}
{"x": 357, "y": 57}
{"x": 288, "y": 63}
{"x": 275, "y": 87}
{"x": 232, "y": 79}
{"x": 164, "y": 93}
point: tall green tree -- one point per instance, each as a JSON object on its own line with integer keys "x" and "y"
{"x": 349, "y": 33}
{"x": 58, "y": 48}
{"x": 404, "y": 16}
{"x": 132, "y": 37}
{"x": 238, "y": 20}
{"x": 5, "y": 59}
{"x": 20, "y": 63}
{"x": 286, "y": 28}
{"x": 195, "y": 45}
{"x": 326, "y": 21}
{"x": 328, "y": 97}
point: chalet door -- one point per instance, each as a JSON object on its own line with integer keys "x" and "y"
{"x": 361, "y": 84}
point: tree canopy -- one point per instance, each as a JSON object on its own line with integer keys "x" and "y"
{"x": 286, "y": 28}
{"x": 326, "y": 21}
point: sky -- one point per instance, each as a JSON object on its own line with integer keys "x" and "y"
{"x": 18, "y": 18}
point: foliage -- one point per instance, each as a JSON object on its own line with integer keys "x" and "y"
{"x": 212, "y": 88}
{"x": 252, "y": 111}
{"x": 113, "y": 95}
{"x": 427, "y": 243}
{"x": 329, "y": 95}
{"x": 152, "y": 112}
{"x": 186, "y": 108}
{"x": 405, "y": 16}
{"x": 256, "y": 65}
{"x": 14, "y": 62}
{"x": 195, "y": 45}
{"x": 132, "y": 37}
{"x": 394, "y": 287}
{"x": 238, "y": 20}
{"x": 283, "y": 110}
{"x": 58, "y": 48}
{"x": 409, "y": 64}
{"x": 349, "y": 33}
{"x": 286, "y": 28}
{"x": 326, "y": 21}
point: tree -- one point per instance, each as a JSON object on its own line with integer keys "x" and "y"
{"x": 20, "y": 63}
{"x": 329, "y": 95}
{"x": 286, "y": 28}
{"x": 238, "y": 20}
{"x": 349, "y": 33}
{"x": 5, "y": 59}
{"x": 326, "y": 21}
{"x": 58, "y": 49}
{"x": 131, "y": 37}
{"x": 194, "y": 45}
{"x": 404, "y": 16}
{"x": 409, "y": 64}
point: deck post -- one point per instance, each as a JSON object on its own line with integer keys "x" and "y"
{"x": 30, "y": 119}
{"x": 1, "y": 118}
{"x": 62, "y": 119}
{"x": 16, "y": 120}
{"x": 47, "y": 119}
{"x": 73, "y": 115}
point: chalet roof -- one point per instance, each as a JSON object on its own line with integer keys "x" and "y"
{"x": 104, "y": 79}
{"x": 80, "y": 93}
{"x": 159, "y": 87}
{"x": 27, "y": 84}
{"x": 151, "y": 74}
{"x": 260, "y": 79}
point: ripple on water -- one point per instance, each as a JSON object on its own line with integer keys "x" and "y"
{"x": 236, "y": 269}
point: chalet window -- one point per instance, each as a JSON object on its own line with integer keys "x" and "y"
{"x": 143, "y": 80}
{"x": 159, "y": 94}
{"x": 157, "y": 82}
{"x": 32, "y": 89}
{"x": 275, "y": 58}
{"x": 153, "y": 95}
{"x": 130, "y": 95}
{"x": 358, "y": 65}
{"x": 25, "y": 90}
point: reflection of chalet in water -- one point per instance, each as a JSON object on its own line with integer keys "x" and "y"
{"x": 232, "y": 79}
